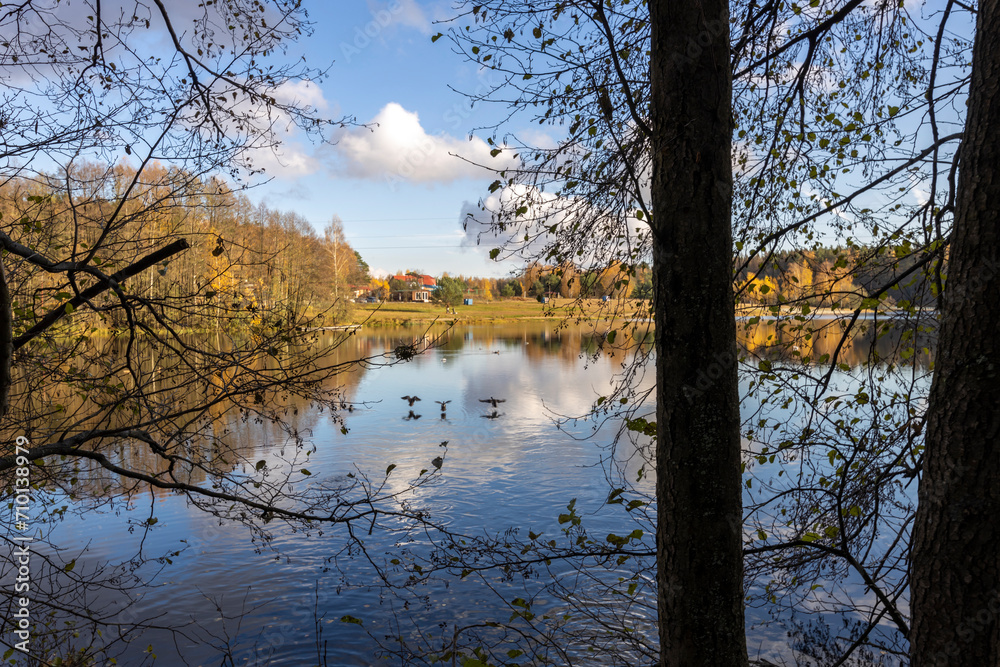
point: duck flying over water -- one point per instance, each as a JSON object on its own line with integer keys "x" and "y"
{"x": 492, "y": 401}
{"x": 411, "y": 399}
{"x": 443, "y": 404}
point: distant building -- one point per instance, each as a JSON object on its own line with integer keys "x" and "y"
{"x": 416, "y": 288}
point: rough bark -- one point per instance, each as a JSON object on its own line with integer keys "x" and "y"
{"x": 955, "y": 569}
{"x": 699, "y": 558}
{"x": 6, "y": 341}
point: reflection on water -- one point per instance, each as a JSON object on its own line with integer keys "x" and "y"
{"x": 505, "y": 465}
{"x": 486, "y": 400}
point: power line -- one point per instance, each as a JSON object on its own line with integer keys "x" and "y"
{"x": 450, "y": 217}
{"x": 407, "y": 247}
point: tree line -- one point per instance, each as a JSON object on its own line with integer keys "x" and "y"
{"x": 243, "y": 258}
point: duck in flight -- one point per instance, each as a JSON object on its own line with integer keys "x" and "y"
{"x": 492, "y": 401}
{"x": 443, "y": 404}
{"x": 411, "y": 399}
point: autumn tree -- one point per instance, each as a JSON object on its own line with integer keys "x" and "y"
{"x": 676, "y": 124}
{"x": 842, "y": 127}
{"x": 114, "y": 151}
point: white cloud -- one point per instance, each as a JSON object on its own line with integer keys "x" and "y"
{"x": 920, "y": 190}
{"x": 403, "y": 12}
{"x": 301, "y": 93}
{"x": 545, "y": 211}
{"x": 396, "y": 148}
{"x": 290, "y": 160}
{"x": 287, "y": 158}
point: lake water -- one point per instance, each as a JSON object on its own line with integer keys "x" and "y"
{"x": 517, "y": 465}
{"x": 514, "y": 466}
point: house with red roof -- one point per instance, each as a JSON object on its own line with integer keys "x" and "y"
{"x": 417, "y": 288}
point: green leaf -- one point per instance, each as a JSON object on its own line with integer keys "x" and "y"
{"x": 260, "y": 465}
{"x": 494, "y": 253}
{"x": 68, "y": 308}
{"x": 305, "y": 472}
{"x": 351, "y": 619}
{"x": 436, "y": 37}
{"x": 893, "y": 111}
{"x": 616, "y": 540}
{"x": 390, "y": 469}
{"x": 69, "y": 566}
{"x": 611, "y": 337}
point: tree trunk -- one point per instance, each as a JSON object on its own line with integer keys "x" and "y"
{"x": 955, "y": 570}
{"x": 6, "y": 341}
{"x": 699, "y": 531}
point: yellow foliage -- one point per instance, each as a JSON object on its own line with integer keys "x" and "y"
{"x": 760, "y": 290}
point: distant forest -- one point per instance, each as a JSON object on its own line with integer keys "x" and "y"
{"x": 243, "y": 258}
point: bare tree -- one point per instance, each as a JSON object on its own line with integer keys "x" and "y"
{"x": 114, "y": 381}
{"x": 842, "y": 111}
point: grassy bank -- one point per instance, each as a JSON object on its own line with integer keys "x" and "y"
{"x": 507, "y": 310}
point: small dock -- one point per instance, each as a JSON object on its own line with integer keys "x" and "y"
{"x": 339, "y": 327}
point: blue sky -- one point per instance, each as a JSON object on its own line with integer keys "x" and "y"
{"x": 396, "y": 186}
